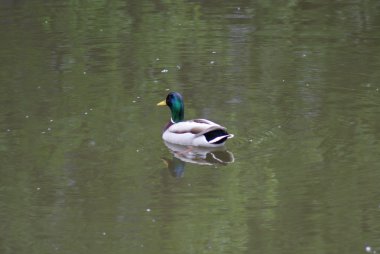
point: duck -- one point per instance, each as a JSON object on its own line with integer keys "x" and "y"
{"x": 192, "y": 133}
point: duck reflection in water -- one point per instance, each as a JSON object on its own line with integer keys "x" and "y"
{"x": 195, "y": 155}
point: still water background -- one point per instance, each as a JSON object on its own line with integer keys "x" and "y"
{"x": 82, "y": 160}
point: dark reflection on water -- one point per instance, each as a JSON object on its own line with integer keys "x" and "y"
{"x": 195, "y": 155}
{"x": 297, "y": 82}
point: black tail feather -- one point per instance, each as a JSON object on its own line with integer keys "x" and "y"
{"x": 216, "y": 133}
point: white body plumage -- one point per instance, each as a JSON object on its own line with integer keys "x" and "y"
{"x": 196, "y": 133}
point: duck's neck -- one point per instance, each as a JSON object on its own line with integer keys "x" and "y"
{"x": 178, "y": 110}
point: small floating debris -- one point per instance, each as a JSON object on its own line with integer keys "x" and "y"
{"x": 368, "y": 248}
{"x": 101, "y": 29}
{"x": 26, "y": 116}
{"x": 90, "y": 109}
{"x": 167, "y": 89}
{"x": 157, "y": 59}
{"x": 38, "y": 188}
{"x": 134, "y": 101}
{"x": 84, "y": 73}
{"x": 8, "y": 130}
{"x": 213, "y": 52}
{"x": 148, "y": 210}
{"x": 212, "y": 62}
{"x": 85, "y": 113}
{"x": 49, "y": 129}
{"x": 104, "y": 233}
{"x": 178, "y": 67}
{"x": 164, "y": 70}
{"x": 51, "y": 120}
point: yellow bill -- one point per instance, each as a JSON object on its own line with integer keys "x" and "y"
{"x": 162, "y": 103}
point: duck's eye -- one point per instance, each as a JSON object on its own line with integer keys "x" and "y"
{"x": 169, "y": 100}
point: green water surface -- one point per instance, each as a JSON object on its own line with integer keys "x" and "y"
{"x": 84, "y": 168}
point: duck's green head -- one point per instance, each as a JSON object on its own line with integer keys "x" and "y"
{"x": 175, "y": 102}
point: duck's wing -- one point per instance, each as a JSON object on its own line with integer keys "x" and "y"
{"x": 196, "y": 126}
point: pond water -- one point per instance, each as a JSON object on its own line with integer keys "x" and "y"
{"x": 84, "y": 168}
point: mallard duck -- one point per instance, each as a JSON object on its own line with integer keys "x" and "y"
{"x": 196, "y": 132}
